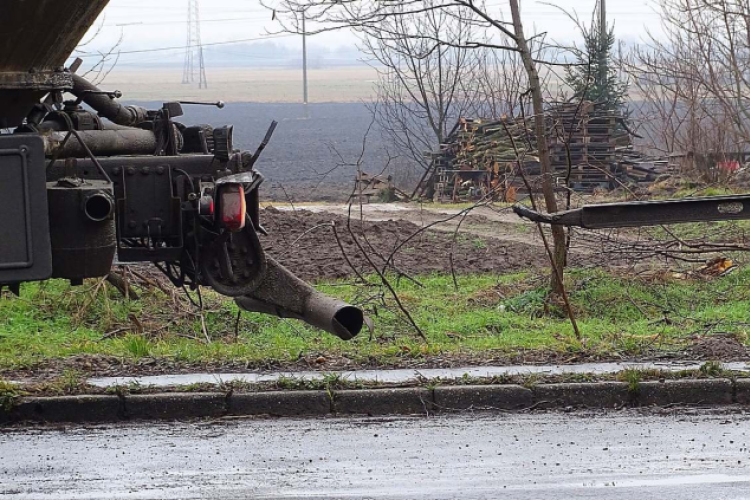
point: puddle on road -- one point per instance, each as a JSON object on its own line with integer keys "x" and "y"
{"x": 403, "y": 375}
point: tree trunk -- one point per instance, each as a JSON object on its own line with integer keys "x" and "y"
{"x": 548, "y": 187}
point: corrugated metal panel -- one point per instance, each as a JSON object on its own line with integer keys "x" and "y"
{"x": 41, "y": 34}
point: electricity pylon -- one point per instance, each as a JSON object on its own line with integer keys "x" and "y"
{"x": 194, "y": 49}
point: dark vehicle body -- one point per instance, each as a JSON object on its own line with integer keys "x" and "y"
{"x": 86, "y": 181}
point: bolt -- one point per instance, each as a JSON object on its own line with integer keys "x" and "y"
{"x": 145, "y": 170}
{"x": 160, "y": 170}
{"x": 130, "y": 170}
{"x": 116, "y": 170}
{"x": 132, "y": 224}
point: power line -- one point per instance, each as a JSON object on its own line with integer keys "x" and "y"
{"x": 545, "y": 14}
{"x": 182, "y": 47}
{"x": 203, "y": 21}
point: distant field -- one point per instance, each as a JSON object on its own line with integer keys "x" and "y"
{"x": 300, "y": 161}
{"x": 246, "y": 85}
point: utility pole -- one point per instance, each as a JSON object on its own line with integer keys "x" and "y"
{"x": 304, "y": 65}
{"x": 194, "y": 48}
{"x": 603, "y": 70}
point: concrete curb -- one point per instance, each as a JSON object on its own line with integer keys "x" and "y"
{"x": 742, "y": 391}
{"x": 174, "y": 406}
{"x": 407, "y": 401}
{"x": 401, "y": 401}
{"x": 66, "y": 409}
{"x": 714, "y": 392}
{"x": 280, "y": 404}
{"x": 601, "y": 395}
{"x": 482, "y": 397}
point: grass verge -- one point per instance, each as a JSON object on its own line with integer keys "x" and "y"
{"x": 620, "y": 315}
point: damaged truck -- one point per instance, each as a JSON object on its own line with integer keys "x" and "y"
{"x": 86, "y": 181}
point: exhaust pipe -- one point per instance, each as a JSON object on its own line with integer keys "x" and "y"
{"x": 282, "y": 294}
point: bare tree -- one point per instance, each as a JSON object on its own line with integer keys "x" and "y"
{"x": 548, "y": 189}
{"x": 693, "y": 82}
{"x": 373, "y": 16}
{"x": 424, "y": 88}
{"x": 419, "y": 86}
{"x": 495, "y": 87}
{"x": 105, "y": 60}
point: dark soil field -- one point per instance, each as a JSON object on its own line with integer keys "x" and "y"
{"x": 305, "y": 242}
{"x": 302, "y": 161}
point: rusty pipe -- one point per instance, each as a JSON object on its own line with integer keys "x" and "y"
{"x": 107, "y": 107}
{"x": 280, "y": 293}
{"x": 101, "y": 143}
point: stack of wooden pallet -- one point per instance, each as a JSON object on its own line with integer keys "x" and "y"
{"x": 582, "y": 145}
{"x": 481, "y": 156}
{"x": 641, "y": 170}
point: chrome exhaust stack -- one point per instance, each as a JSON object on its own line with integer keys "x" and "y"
{"x": 282, "y": 294}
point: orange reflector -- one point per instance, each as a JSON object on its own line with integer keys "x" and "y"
{"x": 232, "y": 206}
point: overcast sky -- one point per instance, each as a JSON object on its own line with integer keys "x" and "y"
{"x": 152, "y": 24}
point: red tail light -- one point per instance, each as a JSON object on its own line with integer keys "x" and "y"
{"x": 232, "y": 207}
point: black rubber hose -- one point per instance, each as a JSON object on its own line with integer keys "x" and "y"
{"x": 107, "y": 107}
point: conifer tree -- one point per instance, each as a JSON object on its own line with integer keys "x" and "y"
{"x": 594, "y": 76}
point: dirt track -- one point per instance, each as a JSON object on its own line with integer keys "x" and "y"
{"x": 305, "y": 242}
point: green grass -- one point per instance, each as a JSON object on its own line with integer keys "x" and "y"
{"x": 137, "y": 346}
{"x": 633, "y": 378}
{"x": 9, "y": 394}
{"x": 714, "y": 232}
{"x": 487, "y": 316}
{"x": 479, "y": 243}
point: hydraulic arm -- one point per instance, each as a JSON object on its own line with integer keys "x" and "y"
{"x": 646, "y": 213}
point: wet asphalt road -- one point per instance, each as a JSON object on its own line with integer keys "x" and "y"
{"x": 624, "y": 455}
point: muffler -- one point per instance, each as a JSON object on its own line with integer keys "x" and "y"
{"x": 282, "y": 294}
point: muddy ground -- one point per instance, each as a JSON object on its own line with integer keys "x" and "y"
{"x": 319, "y": 245}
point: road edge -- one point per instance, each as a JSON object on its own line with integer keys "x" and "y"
{"x": 715, "y": 392}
